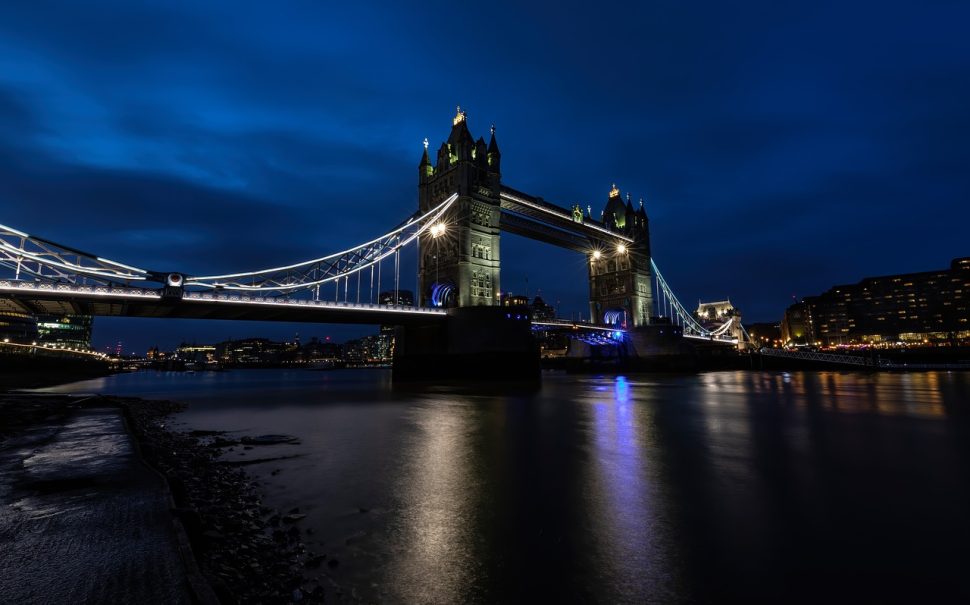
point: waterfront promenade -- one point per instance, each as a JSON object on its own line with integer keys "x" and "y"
{"x": 84, "y": 521}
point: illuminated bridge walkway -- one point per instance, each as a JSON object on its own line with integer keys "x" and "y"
{"x": 40, "y": 276}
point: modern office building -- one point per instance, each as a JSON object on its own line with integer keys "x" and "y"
{"x": 930, "y": 307}
{"x": 71, "y": 331}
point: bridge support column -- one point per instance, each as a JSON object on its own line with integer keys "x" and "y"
{"x": 475, "y": 345}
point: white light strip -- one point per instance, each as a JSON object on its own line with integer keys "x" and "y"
{"x": 56, "y": 349}
{"x": 14, "y": 231}
{"x": 123, "y": 266}
{"x": 320, "y": 305}
{"x": 518, "y": 200}
{"x": 575, "y": 325}
{"x": 72, "y": 291}
{"x": 196, "y": 297}
{"x": 732, "y": 341}
{"x": 69, "y": 266}
{"x": 439, "y": 209}
{"x": 690, "y": 321}
{"x": 357, "y": 268}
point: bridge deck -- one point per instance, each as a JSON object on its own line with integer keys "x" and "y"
{"x": 138, "y": 302}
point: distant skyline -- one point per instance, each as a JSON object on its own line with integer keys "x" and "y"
{"x": 779, "y": 149}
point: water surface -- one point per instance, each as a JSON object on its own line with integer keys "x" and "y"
{"x": 812, "y": 487}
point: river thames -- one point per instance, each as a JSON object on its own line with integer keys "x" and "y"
{"x": 810, "y": 487}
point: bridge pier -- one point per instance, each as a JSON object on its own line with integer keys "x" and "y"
{"x": 474, "y": 344}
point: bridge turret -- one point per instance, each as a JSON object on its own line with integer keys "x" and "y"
{"x": 642, "y": 218}
{"x": 614, "y": 214}
{"x": 620, "y": 289}
{"x": 444, "y": 160}
{"x": 459, "y": 266}
{"x": 631, "y": 215}
{"x": 494, "y": 155}
{"x": 425, "y": 170}
{"x": 460, "y": 140}
{"x": 481, "y": 154}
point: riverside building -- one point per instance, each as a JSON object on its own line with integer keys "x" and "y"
{"x": 927, "y": 308}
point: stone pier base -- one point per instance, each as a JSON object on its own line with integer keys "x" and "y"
{"x": 474, "y": 344}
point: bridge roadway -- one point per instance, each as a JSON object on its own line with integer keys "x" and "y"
{"x": 48, "y": 298}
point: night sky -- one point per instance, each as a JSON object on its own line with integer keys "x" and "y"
{"x": 779, "y": 149}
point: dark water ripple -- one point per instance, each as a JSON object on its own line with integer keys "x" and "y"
{"x": 771, "y": 487}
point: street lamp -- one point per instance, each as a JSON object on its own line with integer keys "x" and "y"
{"x": 597, "y": 254}
{"x": 621, "y": 249}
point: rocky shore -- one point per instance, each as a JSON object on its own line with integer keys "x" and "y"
{"x": 247, "y": 552}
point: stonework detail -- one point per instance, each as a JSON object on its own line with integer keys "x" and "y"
{"x": 466, "y": 256}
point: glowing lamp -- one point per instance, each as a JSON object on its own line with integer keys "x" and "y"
{"x": 621, "y": 249}
{"x": 597, "y": 254}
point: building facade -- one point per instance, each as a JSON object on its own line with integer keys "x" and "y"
{"x": 930, "y": 307}
{"x": 71, "y": 331}
{"x": 16, "y": 327}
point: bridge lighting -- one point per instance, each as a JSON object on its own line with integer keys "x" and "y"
{"x": 437, "y": 230}
{"x": 621, "y": 249}
{"x": 597, "y": 254}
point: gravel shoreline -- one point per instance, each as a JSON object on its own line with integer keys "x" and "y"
{"x": 247, "y": 552}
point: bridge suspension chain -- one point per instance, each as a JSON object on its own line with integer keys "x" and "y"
{"x": 44, "y": 260}
{"x": 329, "y": 268}
{"x": 676, "y": 310}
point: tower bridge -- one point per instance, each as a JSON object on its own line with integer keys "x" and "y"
{"x": 463, "y": 210}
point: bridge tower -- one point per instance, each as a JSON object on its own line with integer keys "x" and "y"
{"x": 459, "y": 263}
{"x": 620, "y": 285}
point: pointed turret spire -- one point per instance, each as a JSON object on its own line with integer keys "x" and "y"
{"x": 460, "y": 139}
{"x": 424, "y": 157}
{"x": 424, "y": 168}
{"x": 494, "y": 155}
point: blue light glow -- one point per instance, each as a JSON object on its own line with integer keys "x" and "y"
{"x": 440, "y": 293}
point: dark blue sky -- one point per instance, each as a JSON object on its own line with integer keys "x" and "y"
{"x": 780, "y": 149}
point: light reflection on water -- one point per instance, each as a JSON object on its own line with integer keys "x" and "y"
{"x": 437, "y": 495}
{"x": 652, "y": 488}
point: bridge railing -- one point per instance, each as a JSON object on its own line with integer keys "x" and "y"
{"x": 834, "y": 358}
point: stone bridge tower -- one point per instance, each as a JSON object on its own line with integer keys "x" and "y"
{"x": 620, "y": 285}
{"x": 459, "y": 264}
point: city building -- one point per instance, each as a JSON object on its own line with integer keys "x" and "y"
{"x": 196, "y": 353}
{"x": 256, "y": 351}
{"x": 927, "y": 308}
{"x": 17, "y": 327}
{"x": 322, "y": 350}
{"x": 369, "y": 350}
{"x": 405, "y": 298}
{"x": 715, "y": 311}
{"x": 764, "y": 334}
{"x": 514, "y": 300}
{"x": 796, "y": 326}
{"x": 68, "y": 331}
{"x": 714, "y": 315}
{"x": 541, "y": 310}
